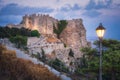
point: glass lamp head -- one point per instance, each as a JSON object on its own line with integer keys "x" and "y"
{"x": 100, "y": 30}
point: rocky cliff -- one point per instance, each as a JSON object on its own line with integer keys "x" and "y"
{"x": 74, "y": 36}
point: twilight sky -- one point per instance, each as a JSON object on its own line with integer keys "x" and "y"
{"x": 92, "y": 12}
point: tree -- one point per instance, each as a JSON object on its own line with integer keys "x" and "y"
{"x": 6, "y": 32}
{"x": 20, "y": 41}
{"x": 87, "y": 63}
{"x": 59, "y": 65}
{"x": 109, "y": 44}
{"x": 35, "y": 33}
{"x": 111, "y": 64}
{"x": 43, "y": 58}
{"x": 110, "y": 59}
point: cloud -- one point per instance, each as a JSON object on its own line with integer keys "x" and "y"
{"x": 76, "y": 7}
{"x": 1, "y": 5}
{"x": 116, "y": 1}
{"x": 98, "y": 4}
{"x": 14, "y": 9}
{"x": 104, "y": 2}
{"x": 91, "y": 5}
{"x": 72, "y": 3}
{"x": 115, "y": 4}
{"x": 56, "y": 4}
{"x": 109, "y": 12}
{"x": 92, "y": 13}
{"x": 68, "y": 7}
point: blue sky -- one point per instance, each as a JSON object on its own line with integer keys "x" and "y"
{"x": 92, "y": 12}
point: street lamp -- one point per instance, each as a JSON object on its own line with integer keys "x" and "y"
{"x": 100, "y": 30}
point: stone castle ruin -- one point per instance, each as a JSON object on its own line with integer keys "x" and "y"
{"x": 73, "y": 36}
{"x": 42, "y": 23}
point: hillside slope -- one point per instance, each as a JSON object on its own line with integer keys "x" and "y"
{"x": 13, "y": 68}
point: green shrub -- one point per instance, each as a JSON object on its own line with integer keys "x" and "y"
{"x": 19, "y": 40}
{"x": 61, "y": 26}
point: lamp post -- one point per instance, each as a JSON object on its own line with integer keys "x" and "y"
{"x": 100, "y": 30}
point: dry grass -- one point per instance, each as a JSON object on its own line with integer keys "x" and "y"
{"x": 15, "y": 68}
{"x": 51, "y": 39}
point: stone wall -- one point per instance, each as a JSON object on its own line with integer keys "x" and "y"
{"x": 36, "y": 44}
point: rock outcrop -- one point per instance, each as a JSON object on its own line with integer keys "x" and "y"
{"x": 74, "y": 36}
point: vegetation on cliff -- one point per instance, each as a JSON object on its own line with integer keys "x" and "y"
{"x": 35, "y": 33}
{"x": 58, "y": 65}
{"x": 110, "y": 60}
{"x": 61, "y": 26}
{"x": 71, "y": 53}
{"x": 18, "y": 36}
{"x": 20, "y": 41}
{"x": 13, "y": 68}
{"x": 6, "y": 32}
